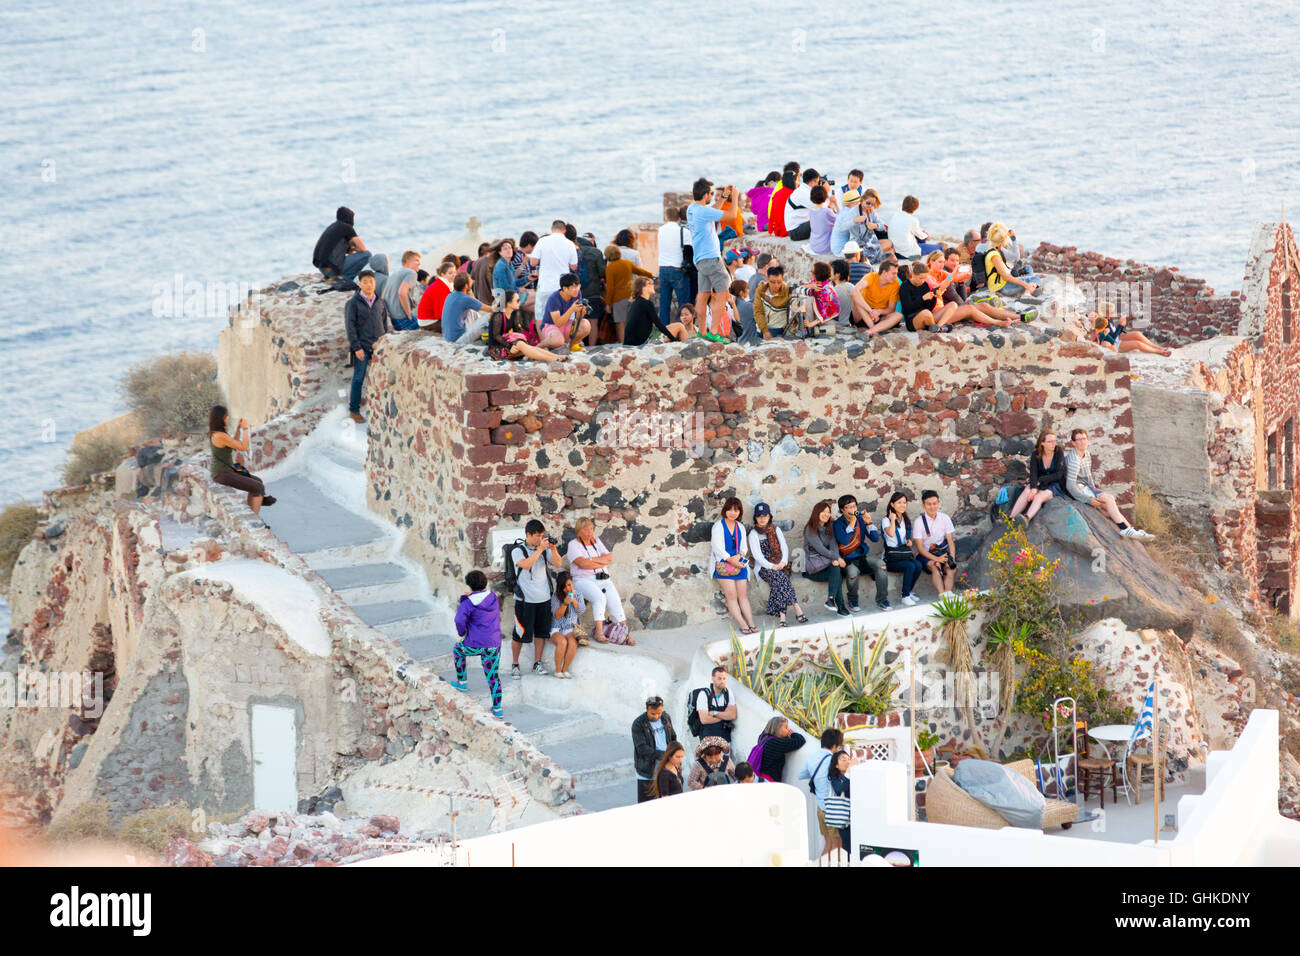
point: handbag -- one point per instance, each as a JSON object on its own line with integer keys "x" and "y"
{"x": 837, "y": 811}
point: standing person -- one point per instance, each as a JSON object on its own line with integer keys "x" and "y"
{"x": 224, "y": 469}
{"x": 673, "y": 280}
{"x": 463, "y": 316}
{"x": 366, "y": 320}
{"x": 815, "y": 770}
{"x": 643, "y": 317}
{"x": 339, "y": 252}
{"x": 555, "y": 257}
{"x": 511, "y": 336}
{"x": 627, "y": 250}
{"x": 652, "y": 734}
{"x": 533, "y": 594}
{"x": 729, "y": 545}
{"x": 566, "y": 605}
{"x": 589, "y": 562}
{"x": 619, "y": 273}
{"x": 429, "y": 312}
{"x": 822, "y": 561}
{"x": 712, "y": 765}
{"x": 933, "y": 533}
{"x": 478, "y": 622}
{"x": 591, "y": 280}
{"x": 899, "y": 557}
{"x": 772, "y": 303}
{"x": 562, "y": 322}
{"x": 1046, "y": 477}
{"x": 668, "y": 772}
{"x": 715, "y": 707}
{"x": 853, "y": 536}
{"x": 775, "y": 743}
{"x": 400, "y": 293}
{"x": 767, "y": 544}
{"x": 1079, "y": 485}
{"x": 838, "y": 778}
{"x": 702, "y": 219}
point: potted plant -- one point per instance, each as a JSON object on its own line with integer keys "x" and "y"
{"x": 954, "y": 613}
{"x": 926, "y": 741}
{"x": 867, "y": 682}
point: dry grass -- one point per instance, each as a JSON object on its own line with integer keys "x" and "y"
{"x": 92, "y": 455}
{"x": 1286, "y": 632}
{"x": 88, "y": 821}
{"x": 174, "y": 392}
{"x": 1149, "y": 513}
{"x": 17, "y": 523}
{"x": 154, "y": 829}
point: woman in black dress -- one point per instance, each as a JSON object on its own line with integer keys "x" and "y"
{"x": 642, "y": 316}
{"x": 668, "y": 775}
{"x": 1046, "y": 478}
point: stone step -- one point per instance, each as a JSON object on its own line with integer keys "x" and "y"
{"x": 544, "y": 727}
{"x": 321, "y": 530}
{"x": 372, "y": 583}
{"x": 398, "y": 619}
{"x": 597, "y": 761}
{"x": 340, "y": 473}
{"x": 432, "y": 649}
{"x": 596, "y": 799}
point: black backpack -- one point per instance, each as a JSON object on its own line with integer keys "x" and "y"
{"x": 512, "y": 573}
{"x": 688, "y": 252}
{"x": 979, "y": 275}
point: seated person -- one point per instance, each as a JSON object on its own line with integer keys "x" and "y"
{"x": 826, "y": 306}
{"x": 463, "y": 318}
{"x": 505, "y": 278}
{"x": 1110, "y": 331}
{"x": 643, "y": 315}
{"x": 511, "y": 335}
{"x": 1046, "y": 478}
{"x": 933, "y": 533}
{"x": 959, "y": 272}
{"x": 822, "y": 219}
{"x": 879, "y": 292}
{"x": 429, "y": 312}
{"x": 1000, "y": 279}
{"x": 745, "y": 326}
{"x": 909, "y": 239}
{"x": 859, "y": 268}
{"x": 562, "y": 320}
{"x": 1079, "y": 485}
{"x": 339, "y": 252}
{"x": 924, "y": 302}
{"x": 772, "y": 303}
{"x": 843, "y": 291}
{"x": 760, "y": 196}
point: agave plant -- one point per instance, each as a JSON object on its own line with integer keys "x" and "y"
{"x": 810, "y": 700}
{"x": 1002, "y": 639}
{"x": 954, "y": 613}
{"x": 757, "y": 676}
{"x": 866, "y": 681}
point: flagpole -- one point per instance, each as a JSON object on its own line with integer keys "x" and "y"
{"x": 911, "y": 716}
{"x": 1155, "y": 755}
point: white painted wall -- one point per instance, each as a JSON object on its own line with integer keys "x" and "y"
{"x": 750, "y": 825}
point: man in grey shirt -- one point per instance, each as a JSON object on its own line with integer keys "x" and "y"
{"x": 533, "y": 594}
{"x": 1079, "y": 485}
{"x": 401, "y": 293}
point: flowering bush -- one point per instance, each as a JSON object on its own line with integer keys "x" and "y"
{"x": 1046, "y": 679}
{"x": 1024, "y": 595}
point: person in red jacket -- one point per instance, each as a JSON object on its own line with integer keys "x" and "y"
{"x": 429, "y": 311}
{"x": 776, "y": 210}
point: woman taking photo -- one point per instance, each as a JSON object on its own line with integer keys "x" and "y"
{"x": 900, "y": 558}
{"x": 731, "y": 563}
{"x": 511, "y": 335}
{"x": 837, "y": 803}
{"x": 589, "y": 562}
{"x": 225, "y": 470}
{"x": 772, "y": 557}
{"x": 821, "y": 557}
{"x": 1046, "y": 478}
{"x": 668, "y": 774}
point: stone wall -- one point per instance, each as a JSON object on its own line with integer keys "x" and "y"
{"x": 466, "y": 445}
{"x": 1183, "y": 309}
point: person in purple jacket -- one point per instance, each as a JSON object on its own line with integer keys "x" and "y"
{"x": 478, "y": 622}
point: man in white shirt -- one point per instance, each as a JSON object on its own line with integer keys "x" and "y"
{"x": 798, "y": 207}
{"x": 906, "y": 233}
{"x": 716, "y": 707}
{"x": 673, "y": 279}
{"x": 746, "y": 270}
{"x": 933, "y": 533}
{"x": 554, "y": 255}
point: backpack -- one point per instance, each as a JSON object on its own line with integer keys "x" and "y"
{"x": 713, "y": 778}
{"x": 688, "y": 253}
{"x": 512, "y": 573}
{"x": 979, "y": 275}
{"x": 591, "y": 269}
{"x": 756, "y": 760}
{"x": 693, "y": 722}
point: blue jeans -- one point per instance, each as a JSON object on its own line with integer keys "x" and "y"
{"x": 353, "y": 263}
{"x": 402, "y": 324}
{"x": 672, "y": 281}
{"x": 358, "y": 379}
{"x": 929, "y": 247}
{"x": 727, "y": 233}
{"x": 911, "y": 568}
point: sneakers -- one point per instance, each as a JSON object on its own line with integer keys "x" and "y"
{"x": 843, "y": 611}
{"x": 1143, "y": 535}
{"x": 540, "y": 668}
{"x": 1029, "y": 315}
{"x": 830, "y": 605}
{"x": 577, "y": 347}
{"x": 356, "y": 417}
{"x": 911, "y": 600}
{"x": 883, "y": 605}
{"x": 498, "y": 712}
{"x": 942, "y": 328}
{"x": 853, "y": 607}
{"x": 563, "y": 674}
{"x": 1132, "y": 532}
{"x": 515, "y": 672}
{"x": 458, "y": 684}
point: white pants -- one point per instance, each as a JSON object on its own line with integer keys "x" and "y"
{"x": 599, "y": 594}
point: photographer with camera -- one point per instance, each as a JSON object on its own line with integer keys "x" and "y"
{"x": 533, "y": 594}
{"x": 562, "y": 323}
{"x": 933, "y": 533}
{"x": 589, "y": 562}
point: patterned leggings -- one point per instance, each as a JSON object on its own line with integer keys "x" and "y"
{"x": 491, "y": 666}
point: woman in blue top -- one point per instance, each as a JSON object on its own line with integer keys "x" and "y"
{"x": 504, "y": 277}
{"x": 731, "y": 563}
{"x": 900, "y": 558}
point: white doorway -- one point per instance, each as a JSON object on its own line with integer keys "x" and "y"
{"x": 275, "y": 775}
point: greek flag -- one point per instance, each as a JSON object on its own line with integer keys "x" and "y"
{"x": 1143, "y": 725}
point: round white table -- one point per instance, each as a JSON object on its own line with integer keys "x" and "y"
{"x": 1108, "y": 734}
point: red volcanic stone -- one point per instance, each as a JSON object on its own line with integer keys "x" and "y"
{"x": 486, "y": 381}
{"x": 486, "y": 454}
{"x": 474, "y": 401}
{"x": 1014, "y": 423}
{"x": 181, "y": 852}
{"x": 556, "y": 428}
{"x": 531, "y": 423}
{"x": 512, "y": 434}
{"x": 508, "y": 396}
{"x": 699, "y": 385}
{"x": 730, "y": 402}
{"x": 489, "y": 418}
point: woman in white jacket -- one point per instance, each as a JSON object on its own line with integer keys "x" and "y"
{"x": 731, "y": 563}
{"x": 772, "y": 558}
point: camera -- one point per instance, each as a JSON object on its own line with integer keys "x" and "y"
{"x": 827, "y": 182}
{"x": 602, "y": 576}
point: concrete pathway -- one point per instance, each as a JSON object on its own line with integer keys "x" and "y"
{"x": 320, "y": 514}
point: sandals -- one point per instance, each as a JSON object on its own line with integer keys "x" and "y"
{"x": 583, "y": 642}
{"x": 802, "y": 618}
{"x": 749, "y": 630}
{"x": 781, "y": 623}
{"x": 598, "y": 638}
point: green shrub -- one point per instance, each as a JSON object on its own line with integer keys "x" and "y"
{"x": 1046, "y": 679}
{"x": 92, "y": 455}
{"x": 173, "y": 392}
{"x": 17, "y": 523}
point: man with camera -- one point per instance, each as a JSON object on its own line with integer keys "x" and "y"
{"x": 533, "y": 613}
{"x": 716, "y": 707}
{"x": 702, "y": 219}
{"x": 934, "y": 543}
{"x": 562, "y": 323}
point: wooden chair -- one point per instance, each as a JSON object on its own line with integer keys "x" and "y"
{"x": 1138, "y": 765}
{"x": 1095, "y": 774}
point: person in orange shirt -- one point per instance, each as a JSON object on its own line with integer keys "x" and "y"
{"x": 618, "y": 285}
{"x": 732, "y": 223}
{"x": 879, "y": 294}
